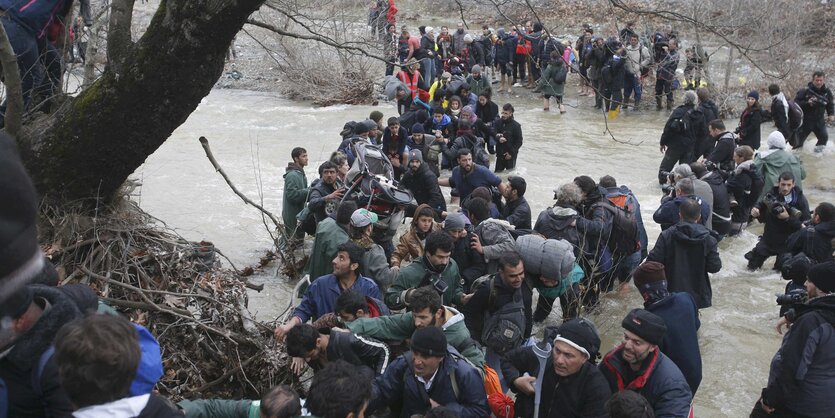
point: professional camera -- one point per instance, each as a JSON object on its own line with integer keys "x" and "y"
{"x": 778, "y": 206}
{"x": 794, "y": 297}
{"x": 819, "y": 98}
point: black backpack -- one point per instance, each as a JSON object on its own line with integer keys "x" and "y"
{"x": 504, "y": 329}
{"x": 624, "y": 238}
{"x": 757, "y": 186}
{"x": 795, "y": 115}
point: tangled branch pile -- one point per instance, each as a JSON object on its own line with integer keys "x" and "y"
{"x": 211, "y": 346}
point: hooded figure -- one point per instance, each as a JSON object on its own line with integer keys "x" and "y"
{"x": 774, "y": 161}
{"x": 419, "y": 179}
{"x": 412, "y": 242}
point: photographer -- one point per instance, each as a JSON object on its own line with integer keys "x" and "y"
{"x": 722, "y": 153}
{"x": 818, "y": 108}
{"x": 783, "y": 211}
{"x": 801, "y": 382}
{"x": 815, "y": 240}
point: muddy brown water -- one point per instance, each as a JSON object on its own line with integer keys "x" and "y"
{"x": 252, "y": 133}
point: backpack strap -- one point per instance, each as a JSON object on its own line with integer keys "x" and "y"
{"x": 37, "y": 373}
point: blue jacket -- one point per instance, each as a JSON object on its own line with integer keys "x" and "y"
{"x": 480, "y": 176}
{"x": 681, "y": 344}
{"x": 660, "y": 381}
{"x": 399, "y": 384}
{"x": 667, "y": 214}
{"x": 35, "y": 15}
{"x": 320, "y": 296}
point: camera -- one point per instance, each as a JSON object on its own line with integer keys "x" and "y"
{"x": 777, "y": 206}
{"x": 794, "y": 297}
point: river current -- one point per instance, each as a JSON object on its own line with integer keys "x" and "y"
{"x": 252, "y": 134}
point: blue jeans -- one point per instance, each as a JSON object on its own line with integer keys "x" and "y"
{"x": 25, "y": 47}
{"x": 427, "y": 67}
{"x": 632, "y": 83}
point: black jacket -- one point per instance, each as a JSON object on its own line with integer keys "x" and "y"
{"x": 581, "y": 395}
{"x": 17, "y": 368}
{"x": 722, "y": 153}
{"x": 512, "y": 131}
{"x": 159, "y": 407}
{"x": 776, "y": 231}
{"x": 359, "y": 351}
{"x": 471, "y": 264}
{"x": 739, "y": 185}
{"x": 518, "y": 213}
{"x": 801, "y": 378}
{"x": 424, "y": 187}
{"x": 749, "y": 127}
{"x": 475, "y": 55}
{"x": 706, "y": 143}
{"x": 617, "y": 72}
{"x": 688, "y": 253}
{"x": 780, "y": 117}
{"x": 814, "y": 240}
{"x": 555, "y": 223}
{"x": 474, "y": 311}
{"x": 721, "y": 220}
{"x": 595, "y": 225}
{"x": 686, "y": 138}
{"x": 317, "y": 202}
{"x": 814, "y": 112}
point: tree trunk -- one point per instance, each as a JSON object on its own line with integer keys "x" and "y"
{"x": 87, "y": 149}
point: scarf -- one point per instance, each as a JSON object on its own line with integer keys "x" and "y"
{"x": 782, "y": 98}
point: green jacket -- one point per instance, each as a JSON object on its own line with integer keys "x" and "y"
{"x": 329, "y": 235}
{"x": 221, "y": 408}
{"x": 548, "y": 85}
{"x": 401, "y": 326}
{"x": 770, "y": 164}
{"x": 413, "y": 275}
{"x": 295, "y": 196}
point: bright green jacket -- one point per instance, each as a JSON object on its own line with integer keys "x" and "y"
{"x": 329, "y": 235}
{"x": 295, "y": 196}
{"x": 221, "y": 408}
{"x": 413, "y": 275}
{"x": 399, "y": 327}
{"x": 774, "y": 163}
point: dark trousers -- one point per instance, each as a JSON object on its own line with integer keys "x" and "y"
{"x": 614, "y": 98}
{"x": 519, "y": 67}
{"x": 389, "y": 69}
{"x": 664, "y": 88}
{"x": 597, "y": 86}
{"x": 536, "y": 71}
{"x": 759, "y": 412}
{"x": 25, "y": 47}
{"x": 569, "y": 303}
{"x": 819, "y": 128}
{"x": 675, "y": 154}
{"x": 502, "y": 164}
{"x": 756, "y": 257}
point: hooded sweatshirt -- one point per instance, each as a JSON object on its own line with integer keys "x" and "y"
{"x": 411, "y": 243}
{"x": 555, "y": 223}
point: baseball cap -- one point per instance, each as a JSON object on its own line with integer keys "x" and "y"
{"x": 363, "y": 217}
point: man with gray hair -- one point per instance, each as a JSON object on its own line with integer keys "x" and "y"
{"x": 556, "y": 222}
{"x": 700, "y": 188}
{"x": 685, "y": 125}
{"x": 667, "y": 214}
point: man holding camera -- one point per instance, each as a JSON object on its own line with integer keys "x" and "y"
{"x": 783, "y": 211}
{"x": 818, "y": 108}
{"x": 801, "y": 382}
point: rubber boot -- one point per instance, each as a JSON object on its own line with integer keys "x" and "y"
{"x": 669, "y": 105}
{"x": 658, "y": 103}
{"x": 625, "y": 104}
{"x": 501, "y": 86}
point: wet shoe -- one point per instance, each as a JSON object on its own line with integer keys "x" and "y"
{"x": 819, "y": 148}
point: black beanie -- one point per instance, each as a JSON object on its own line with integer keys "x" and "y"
{"x": 430, "y": 341}
{"x": 16, "y": 304}
{"x": 20, "y": 257}
{"x": 582, "y": 335}
{"x": 646, "y": 325}
{"x": 823, "y": 276}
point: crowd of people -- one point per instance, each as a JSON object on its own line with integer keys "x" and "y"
{"x": 438, "y": 321}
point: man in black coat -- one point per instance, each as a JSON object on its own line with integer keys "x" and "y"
{"x": 678, "y": 140}
{"x": 783, "y": 211}
{"x": 471, "y": 264}
{"x": 423, "y": 183}
{"x": 516, "y": 210}
{"x": 688, "y": 252}
{"x": 779, "y": 112}
{"x": 815, "y": 240}
{"x": 818, "y": 107}
{"x": 37, "y": 313}
{"x": 722, "y": 153}
{"x": 325, "y": 193}
{"x": 572, "y": 386}
{"x": 318, "y": 348}
{"x": 508, "y": 139}
{"x": 710, "y": 112}
{"x": 613, "y": 74}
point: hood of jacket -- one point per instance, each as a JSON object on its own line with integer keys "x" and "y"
{"x": 826, "y": 228}
{"x": 690, "y": 232}
{"x": 744, "y": 166}
{"x": 713, "y": 178}
{"x": 559, "y": 213}
{"x": 501, "y": 222}
{"x": 418, "y": 209}
{"x": 293, "y": 167}
{"x": 453, "y": 316}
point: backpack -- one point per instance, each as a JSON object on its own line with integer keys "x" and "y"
{"x": 795, "y": 115}
{"x": 624, "y": 238}
{"x": 681, "y": 125}
{"x": 504, "y": 329}
{"x": 456, "y": 391}
{"x": 757, "y": 186}
{"x": 606, "y": 73}
{"x": 480, "y": 155}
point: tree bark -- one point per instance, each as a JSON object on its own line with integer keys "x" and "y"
{"x": 87, "y": 149}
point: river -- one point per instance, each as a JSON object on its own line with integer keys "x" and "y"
{"x": 252, "y": 134}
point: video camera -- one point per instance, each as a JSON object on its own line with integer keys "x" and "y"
{"x": 793, "y": 297}
{"x": 819, "y": 98}
{"x": 671, "y": 181}
{"x": 778, "y": 206}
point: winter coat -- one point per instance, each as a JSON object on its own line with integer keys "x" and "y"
{"x": 552, "y": 81}
{"x": 143, "y": 406}
{"x": 814, "y": 240}
{"x": 423, "y": 184}
{"x": 470, "y": 263}
{"x": 667, "y": 214}
{"x": 779, "y": 114}
{"x": 359, "y": 351}
{"x": 505, "y": 49}
{"x": 659, "y": 381}
{"x": 739, "y": 185}
{"x": 555, "y": 223}
{"x": 672, "y": 137}
{"x": 495, "y": 240}
{"x": 318, "y": 203}
{"x": 667, "y": 65}
{"x": 802, "y": 377}
{"x": 721, "y": 214}
{"x": 597, "y": 57}
{"x": 475, "y": 55}
{"x": 411, "y": 245}
{"x": 400, "y": 327}
{"x": 294, "y": 198}
{"x": 623, "y": 197}
{"x": 36, "y": 16}
{"x": 467, "y": 182}
{"x": 512, "y": 131}
{"x": 581, "y": 395}
{"x": 777, "y": 231}
{"x": 487, "y": 113}
{"x": 221, "y": 408}
{"x": 703, "y": 191}
{"x": 637, "y": 57}
{"x": 19, "y": 365}
{"x": 390, "y": 145}
{"x": 595, "y": 225}
{"x": 749, "y": 127}
{"x": 617, "y": 73}
{"x": 375, "y": 264}
{"x": 688, "y": 253}
{"x": 320, "y": 296}
{"x": 458, "y": 44}
{"x": 399, "y": 385}
{"x": 681, "y": 344}
{"x": 329, "y": 235}
{"x": 479, "y": 305}
{"x": 418, "y": 274}
{"x": 465, "y": 140}
{"x": 427, "y": 48}
{"x": 478, "y": 86}
{"x": 518, "y": 213}
{"x": 813, "y": 112}
{"x": 722, "y": 153}
{"x": 775, "y": 163}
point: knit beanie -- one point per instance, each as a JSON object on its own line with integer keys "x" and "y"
{"x": 823, "y": 276}
{"x": 429, "y": 341}
{"x": 418, "y": 128}
{"x": 581, "y": 335}
{"x": 20, "y": 256}
{"x": 776, "y": 140}
{"x": 415, "y": 155}
{"x": 454, "y": 221}
{"x": 476, "y": 69}
{"x": 646, "y": 325}
{"x": 754, "y": 94}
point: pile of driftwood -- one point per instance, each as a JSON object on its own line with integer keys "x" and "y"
{"x": 211, "y": 346}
